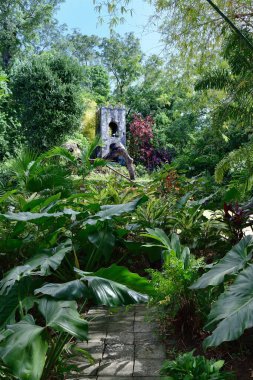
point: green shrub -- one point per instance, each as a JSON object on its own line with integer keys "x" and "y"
{"x": 179, "y": 270}
{"x": 189, "y": 367}
{"x": 10, "y": 133}
{"x": 46, "y": 93}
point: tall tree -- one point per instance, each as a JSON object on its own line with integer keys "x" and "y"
{"x": 19, "y": 23}
{"x": 96, "y": 83}
{"x": 84, "y": 48}
{"x": 195, "y": 29}
{"x": 122, "y": 56}
{"x": 191, "y": 29}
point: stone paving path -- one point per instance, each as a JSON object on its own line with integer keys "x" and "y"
{"x": 124, "y": 344}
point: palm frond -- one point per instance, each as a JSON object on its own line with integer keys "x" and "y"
{"x": 242, "y": 156}
{"x": 217, "y": 79}
{"x": 57, "y": 151}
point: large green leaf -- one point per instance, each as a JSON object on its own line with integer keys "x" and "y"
{"x": 109, "y": 211}
{"x": 71, "y": 290}
{"x": 110, "y": 293}
{"x": 123, "y": 276}
{"x": 160, "y": 236}
{"x": 63, "y": 316}
{"x": 233, "y": 311}
{"x": 234, "y": 261}
{"x": 51, "y": 259}
{"x": 20, "y": 295}
{"x": 104, "y": 241}
{"x": 24, "y": 350}
{"x": 169, "y": 246}
{"x": 34, "y": 216}
{"x": 23, "y": 347}
{"x": 40, "y": 264}
{"x": 41, "y": 204}
{"x": 12, "y": 276}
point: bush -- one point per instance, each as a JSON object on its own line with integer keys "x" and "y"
{"x": 189, "y": 367}
{"x": 179, "y": 270}
{"x": 141, "y": 144}
{"x": 47, "y": 99}
{"x": 10, "y": 136}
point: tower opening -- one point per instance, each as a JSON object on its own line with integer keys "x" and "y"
{"x": 114, "y": 129}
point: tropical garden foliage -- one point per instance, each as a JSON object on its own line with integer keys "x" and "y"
{"x": 75, "y": 233}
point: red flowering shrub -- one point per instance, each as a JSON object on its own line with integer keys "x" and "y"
{"x": 141, "y": 145}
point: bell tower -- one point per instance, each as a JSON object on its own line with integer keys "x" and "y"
{"x": 111, "y": 127}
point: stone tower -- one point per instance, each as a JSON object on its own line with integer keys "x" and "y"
{"x": 111, "y": 127}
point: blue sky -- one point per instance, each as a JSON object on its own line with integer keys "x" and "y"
{"x": 80, "y": 14}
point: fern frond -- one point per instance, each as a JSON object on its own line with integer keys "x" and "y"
{"x": 21, "y": 166}
{"x": 90, "y": 148}
{"x": 57, "y": 151}
{"x": 243, "y": 155}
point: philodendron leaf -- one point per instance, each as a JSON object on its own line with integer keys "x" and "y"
{"x": 24, "y": 349}
{"x": 110, "y": 293}
{"x": 123, "y": 276}
{"x": 63, "y": 316}
{"x": 51, "y": 259}
{"x": 109, "y": 211}
{"x": 185, "y": 257}
{"x": 12, "y": 276}
{"x": 104, "y": 241}
{"x": 40, "y": 264}
{"x": 175, "y": 245}
{"x": 18, "y": 296}
{"x": 233, "y": 310}
{"x": 158, "y": 235}
{"x": 72, "y": 290}
{"x": 235, "y": 260}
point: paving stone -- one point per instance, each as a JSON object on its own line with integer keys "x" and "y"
{"x": 97, "y": 318}
{"x": 150, "y": 351}
{"x": 120, "y": 326}
{"x": 120, "y": 337}
{"x": 144, "y": 327}
{"x": 122, "y": 317}
{"x": 96, "y": 349}
{"x": 119, "y": 352}
{"x": 121, "y": 309}
{"x": 113, "y": 378}
{"x": 99, "y": 327}
{"x": 146, "y": 337}
{"x": 85, "y": 369}
{"x": 97, "y": 337}
{"x": 124, "y": 343}
{"x": 143, "y": 310}
{"x": 116, "y": 368}
{"x": 147, "y": 367}
{"x": 81, "y": 377}
{"x": 127, "y": 378}
{"x": 140, "y": 318}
